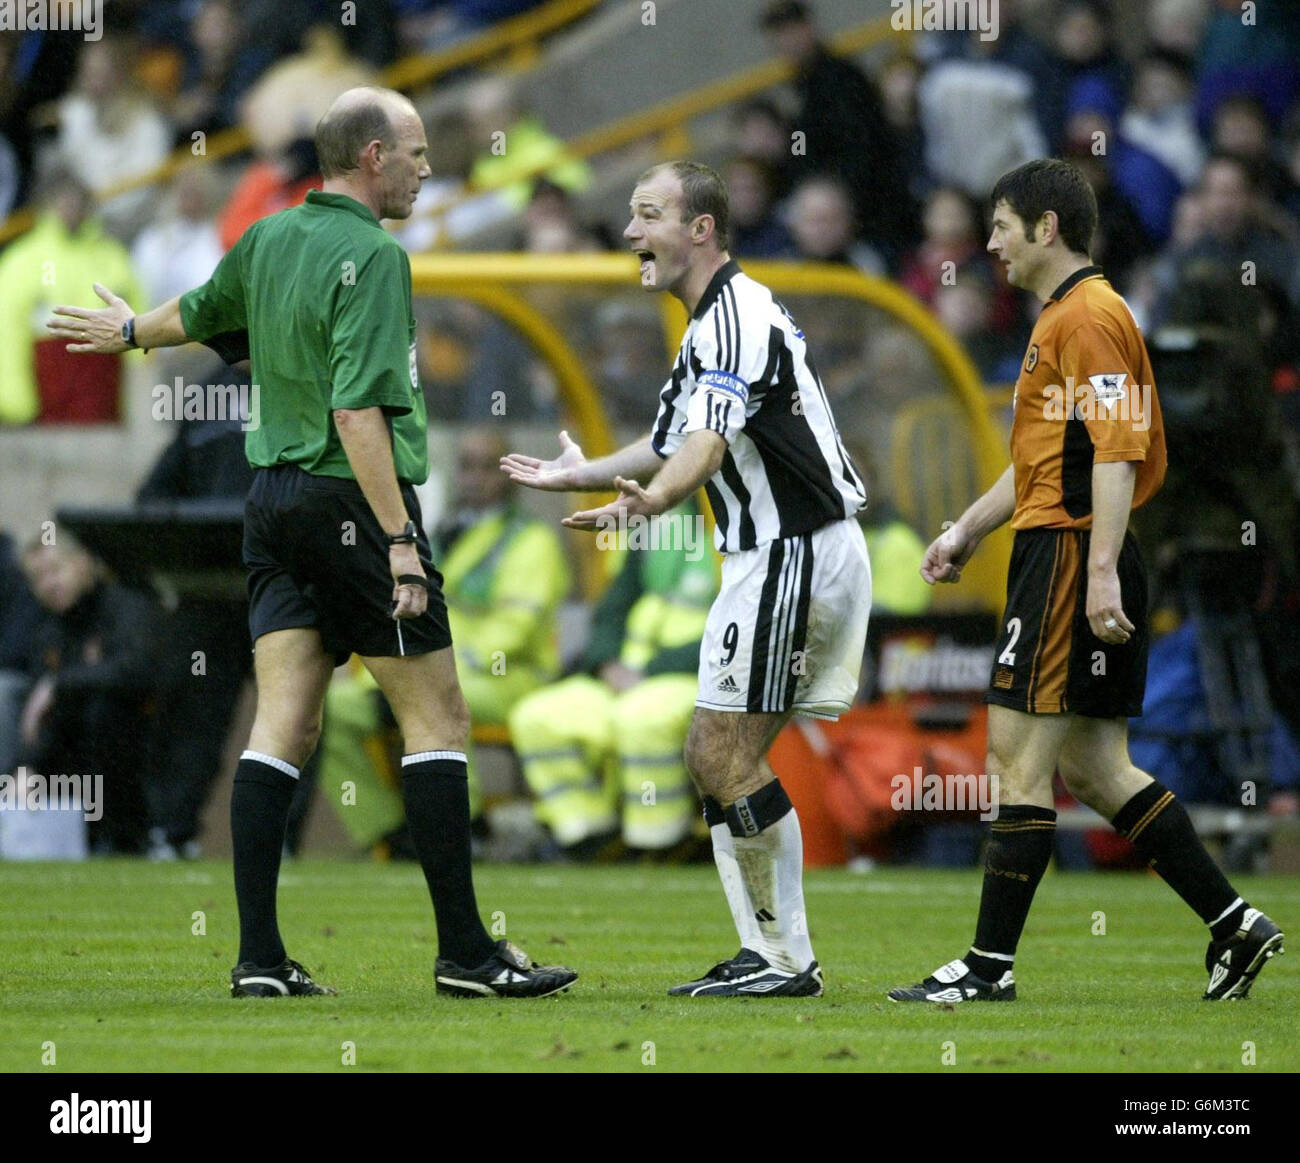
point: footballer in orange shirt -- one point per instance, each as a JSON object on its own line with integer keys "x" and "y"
{"x": 1087, "y": 447}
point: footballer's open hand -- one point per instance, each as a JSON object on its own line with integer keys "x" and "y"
{"x": 632, "y": 501}
{"x": 552, "y": 475}
{"x": 94, "y": 329}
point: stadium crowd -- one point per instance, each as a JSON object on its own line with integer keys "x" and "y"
{"x": 1185, "y": 120}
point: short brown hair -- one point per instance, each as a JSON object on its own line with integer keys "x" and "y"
{"x": 703, "y": 192}
{"x": 342, "y": 135}
{"x": 1047, "y": 184}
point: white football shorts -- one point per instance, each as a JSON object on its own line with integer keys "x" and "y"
{"x": 789, "y": 626}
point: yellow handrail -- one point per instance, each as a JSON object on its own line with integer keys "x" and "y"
{"x": 495, "y": 279}
{"x": 512, "y": 35}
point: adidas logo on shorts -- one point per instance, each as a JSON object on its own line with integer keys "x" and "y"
{"x": 728, "y": 684}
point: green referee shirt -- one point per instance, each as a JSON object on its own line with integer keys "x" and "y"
{"x": 324, "y": 295}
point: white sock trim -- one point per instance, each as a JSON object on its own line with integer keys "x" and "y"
{"x": 1226, "y": 911}
{"x": 422, "y": 756}
{"x": 1007, "y": 957}
{"x": 271, "y": 761}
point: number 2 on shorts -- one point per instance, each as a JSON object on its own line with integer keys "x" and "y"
{"x": 1008, "y": 656}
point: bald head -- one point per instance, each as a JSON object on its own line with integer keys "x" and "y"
{"x": 357, "y": 118}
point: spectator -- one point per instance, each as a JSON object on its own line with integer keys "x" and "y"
{"x": 979, "y": 118}
{"x": 1149, "y": 186}
{"x": 57, "y": 262}
{"x": 515, "y": 147}
{"x": 900, "y": 82}
{"x": 842, "y": 117}
{"x": 36, "y": 70}
{"x": 822, "y": 220}
{"x": 504, "y": 575}
{"x": 1083, "y": 51}
{"x": 590, "y": 743}
{"x": 1120, "y": 241}
{"x": 1240, "y": 127}
{"x": 212, "y": 84}
{"x": 268, "y": 186}
{"x": 627, "y": 354}
{"x": 760, "y": 130}
{"x": 965, "y": 307}
{"x": 756, "y": 229}
{"x": 86, "y": 713}
{"x": 1235, "y": 59}
{"x": 1238, "y": 228}
{"x": 551, "y": 224}
{"x": 954, "y": 239}
{"x": 109, "y": 133}
{"x": 287, "y": 101}
{"x": 1161, "y": 116}
{"x": 180, "y": 248}
{"x": 447, "y": 211}
{"x": 1177, "y": 26}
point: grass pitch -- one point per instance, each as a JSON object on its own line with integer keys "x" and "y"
{"x": 124, "y": 966}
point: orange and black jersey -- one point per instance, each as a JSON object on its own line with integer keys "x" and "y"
{"x": 1085, "y": 394}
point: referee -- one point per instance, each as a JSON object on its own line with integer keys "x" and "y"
{"x": 319, "y": 298}
{"x": 1087, "y": 447}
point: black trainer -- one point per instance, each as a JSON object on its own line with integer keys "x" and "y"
{"x": 750, "y": 974}
{"x": 1234, "y": 962}
{"x": 953, "y": 983}
{"x": 509, "y": 972}
{"x": 286, "y": 980}
{"x": 746, "y": 961}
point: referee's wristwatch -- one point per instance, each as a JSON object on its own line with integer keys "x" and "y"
{"x": 408, "y": 536}
{"x": 128, "y": 332}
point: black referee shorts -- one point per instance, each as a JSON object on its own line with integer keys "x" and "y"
{"x": 317, "y": 558}
{"x": 1048, "y": 660}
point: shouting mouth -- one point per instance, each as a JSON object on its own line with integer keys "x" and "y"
{"x": 647, "y": 258}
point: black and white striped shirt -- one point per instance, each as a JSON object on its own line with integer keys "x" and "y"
{"x": 744, "y": 372}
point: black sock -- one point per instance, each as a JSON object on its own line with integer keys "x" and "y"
{"x": 436, "y": 788}
{"x": 1159, "y": 828}
{"x": 259, "y": 807}
{"x": 1020, "y": 845}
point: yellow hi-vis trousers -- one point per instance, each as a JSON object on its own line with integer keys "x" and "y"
{"x": 356, "y": 773}
{"x": 592, "y": 757}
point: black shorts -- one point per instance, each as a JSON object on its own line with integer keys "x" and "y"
{"x": 1048, "y": 660}
{"x": 317, "y": 558}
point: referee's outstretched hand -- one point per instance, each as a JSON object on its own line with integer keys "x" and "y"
{"x": 553, "y": 475}
{"x": 94, "y": 329}
{"x": 410, "y": 599}
{"x": 946, "y": 555}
